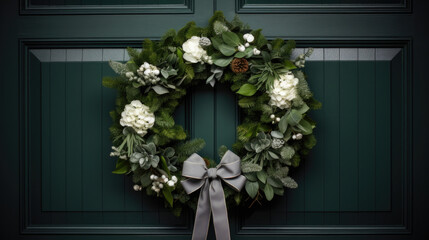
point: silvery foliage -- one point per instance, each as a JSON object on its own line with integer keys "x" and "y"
{"x": 146, "y": 156}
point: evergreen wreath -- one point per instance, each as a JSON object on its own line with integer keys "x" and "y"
{"x": 273, "y": 95}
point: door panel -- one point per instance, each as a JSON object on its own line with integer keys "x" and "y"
{"x": 364, "y": 179}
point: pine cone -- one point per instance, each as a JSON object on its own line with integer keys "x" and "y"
{"x": 239, "y": 65}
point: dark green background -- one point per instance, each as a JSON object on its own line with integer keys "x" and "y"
{"x": 366, "y": 178}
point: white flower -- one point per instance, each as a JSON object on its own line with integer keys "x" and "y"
{"x": 284, "y": 91}
{"x": 148, "y": 74}
{"x": 194, "y": 53}
{"x": 241, "y": 48}
{"x": 137, "y": 116}
{"x": 256, "y": 51}
{"x": 250, "y": 38}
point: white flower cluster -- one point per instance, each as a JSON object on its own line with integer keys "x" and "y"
{"x": 284, "y": 91}
{"x": 194, "y": 52}
{"x": 137, "y": 116}
{"x": 116, "y": 153}
{"x": 249, "y": 38}
{"x": 147, "y": 74}
{"x": 158, "y": 182}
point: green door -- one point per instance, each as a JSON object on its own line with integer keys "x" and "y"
{"x": 365, "y": 179}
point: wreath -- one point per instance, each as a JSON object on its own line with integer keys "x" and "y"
{"x": 272, "y": 92}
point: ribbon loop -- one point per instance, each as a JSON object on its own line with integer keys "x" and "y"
{"x": 212, "y": 198}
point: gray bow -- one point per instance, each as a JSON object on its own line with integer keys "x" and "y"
{"x": 212, "y": 198}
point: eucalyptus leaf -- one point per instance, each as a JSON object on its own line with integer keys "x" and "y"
{"x": 223, "y": 62}
{"x": 274, "y": 182}
{"x": 277, "y": 134}
{"x": 160, "y": 89}
{"x": 216, "y": 41}
{"x": 226, "y": 50}
{"x": 251, "y": 176}
{"x": 231, "y": 39}
{"x": 252, "y": 188}
{"x": 293, "y": 117}
{"x": 269, "y": 192}
{"x": 305, "y": 127}
{"x": 247, "y": 89}
{"x": 262, "y": 176}
{"x": 283, "y": 124}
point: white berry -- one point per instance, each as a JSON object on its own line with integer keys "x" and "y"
{"x": 256, "y": 51}
{"x": 250, "y": 38}
{"x": 136, "y": 187}
{"x": 247, "y": 44}
{"x": 272, "y": 116}
{"x": 174, "y": 178}
{"x": 241, "y": 48}
{"x": 277, "y": 119}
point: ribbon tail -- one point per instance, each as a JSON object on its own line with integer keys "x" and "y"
{"x": 202, "y": 216}
{"x": 219, "y": 211}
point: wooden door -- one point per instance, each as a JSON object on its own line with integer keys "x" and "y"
{"x": 364, "y": 180}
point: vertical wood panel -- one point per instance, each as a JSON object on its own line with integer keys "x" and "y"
{"x": 225, "y": 113}
{"x": 46, "y": 133}
{"x": 92, "y": 170}
{"x": 314, "y": 166}
{"x": 74, "y": 136}
{"x": 366, "y": 135}
{"x": 58, "y": 136}
{"x": 382, "y": 136}
{"x": 203, "y": 125}
{"x": 113, "y": 184}
{"x": 348, "y": 130}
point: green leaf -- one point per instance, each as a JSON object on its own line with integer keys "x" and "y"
{"x": 145, "y": 179}
{"x": 251, "y": 177}
{"x": 277, "y": 134}
{"x": 262, "y": 176}
{"x": 289, "y": 65}
{"x": 167, "y": 195}
{"x": 269, "y": 192}
{"x": 226, "y": 50}
{"x": 231, "y": 39}
{"x": 247, "y": 89}
{"x": 305, "y": 127}
{"x": 122, "y": 167}
{"x": 303, "y": 109}
{"x": 160, "y": 89}
{"x": 216, "y": 42}
{"x": 252, "y": 188}
{"x": 245, "y": 53}
{"x": 266, "y": 56}
{"x": 283, "y": 124}
{"x": 279, "y": 191}
{"x": 294, "y": 117}
{"x": 165, "y": 166}
{"x": 222, "y": 62}
{"x": 274, "y": 182}
{"x": 273, "y": 155}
